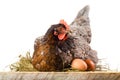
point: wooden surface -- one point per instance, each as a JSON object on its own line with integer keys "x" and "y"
{"x": 59, "y": 76}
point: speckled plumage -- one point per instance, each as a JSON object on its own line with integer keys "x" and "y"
{"x": 77, "y": 45}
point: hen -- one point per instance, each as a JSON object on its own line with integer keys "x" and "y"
{"x": 61, "y": 44}
{"x": 44, "y": 56}
{"x": 77, "y": 44}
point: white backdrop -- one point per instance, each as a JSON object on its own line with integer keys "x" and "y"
{"x": 24, "y": 20}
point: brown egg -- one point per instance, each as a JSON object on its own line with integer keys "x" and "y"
{"x": 90, "y": 64}
{"x": 79, "y": 64}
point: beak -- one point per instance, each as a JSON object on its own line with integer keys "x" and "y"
{"x": 61, "y": 36}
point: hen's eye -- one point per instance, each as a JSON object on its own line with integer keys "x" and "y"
{"x": 55, "y": 29}
{"x": 62, "y": 29}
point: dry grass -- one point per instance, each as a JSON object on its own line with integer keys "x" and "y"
{"x": 24, "y": 64}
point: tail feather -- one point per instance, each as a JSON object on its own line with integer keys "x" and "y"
{"x": 83, "y": 12}
{"x": 81, "y": 25}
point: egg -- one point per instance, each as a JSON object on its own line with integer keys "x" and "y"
{"x": 90, "y": 64}
{"x": 79, "y": 64}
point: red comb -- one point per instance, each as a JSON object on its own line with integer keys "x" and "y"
{"x": 66, "y": 25}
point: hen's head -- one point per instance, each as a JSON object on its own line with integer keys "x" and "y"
{"x": 58, "y": 31}
{"x": 61, "y": 30}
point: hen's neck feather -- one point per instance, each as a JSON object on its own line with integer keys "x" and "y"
{"x": 49, "y": 37}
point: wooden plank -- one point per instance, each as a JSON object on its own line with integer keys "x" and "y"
{"x": 59, "y": 76}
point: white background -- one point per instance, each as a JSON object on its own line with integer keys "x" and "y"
{"x": 21, "y": 21}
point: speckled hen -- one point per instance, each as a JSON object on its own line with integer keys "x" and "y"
{"x": 77, "y": 45}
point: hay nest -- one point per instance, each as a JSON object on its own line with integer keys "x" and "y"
{"x": 24, "y": 64}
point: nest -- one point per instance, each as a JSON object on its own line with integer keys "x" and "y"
{"x": 24, "y": 64}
